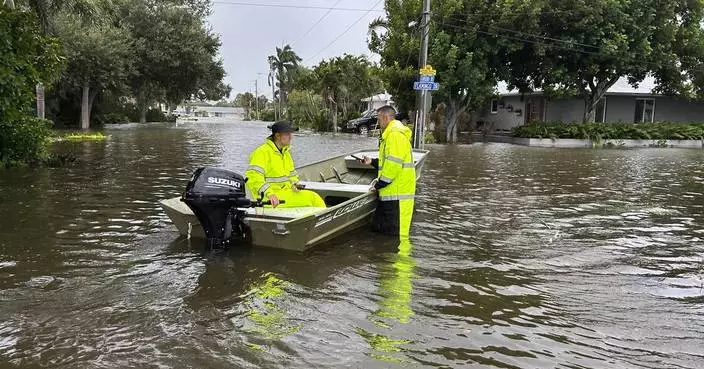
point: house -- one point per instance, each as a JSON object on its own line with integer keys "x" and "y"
{"x": 219, "y": 112}
{"x": 622, "y": 103}
{"x": 377, "y": 101}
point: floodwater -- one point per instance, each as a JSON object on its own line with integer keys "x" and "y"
{"x": 519, "y": 258}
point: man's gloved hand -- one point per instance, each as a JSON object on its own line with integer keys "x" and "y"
{"x": 372, "y": 184}
{"x": 274, "y": 200}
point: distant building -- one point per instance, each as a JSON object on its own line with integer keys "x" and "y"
{"x": 219, "y": 112}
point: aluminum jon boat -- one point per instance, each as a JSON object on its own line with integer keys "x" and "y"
{"x": 227, "y": 214}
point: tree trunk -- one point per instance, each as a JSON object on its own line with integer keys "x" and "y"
{"x": 334, "y": 117}
{"x": 10, "y": 4}
{"x": 596, "y": 93}
{"x": 40, "y": 101}
{"x": 454, "y": 112}
{"x": 273, "y": 102}
{"x": 142, "y": 105}
{"x": 281, "y": 116}
{"x": 93, "y": 95}
{"x": 590, "y": 108}
{"x": 440, "y": 118}
{"x": 85, "y": 108}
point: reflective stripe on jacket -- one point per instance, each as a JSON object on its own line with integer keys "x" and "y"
{"x": 396, "y": 163}
{"x": 270, "y": 170}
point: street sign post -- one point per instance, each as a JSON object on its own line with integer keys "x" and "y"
{"x": 426, "y": 83}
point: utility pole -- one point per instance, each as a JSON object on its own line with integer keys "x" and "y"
{"x": 425, "y": 97}
{"x": 256, "y": 92}
{"x": 256, "y": 98}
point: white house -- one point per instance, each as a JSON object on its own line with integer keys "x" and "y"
{"x": 622, "y": 103}
{"x": 377, "y": 101}
{"x": 219, "y": 112}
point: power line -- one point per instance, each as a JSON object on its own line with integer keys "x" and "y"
{"x": 521, "y": 33}
{"x": 553, "y": 45}
{"x": 318, "y": 22}
{"x": 347, "y": 30}
{"x": 296, "y": 6}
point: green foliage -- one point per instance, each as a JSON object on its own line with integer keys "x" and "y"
{"x": 85, "y": 136}
{"x": 247, "y": 102}
{"x": 26, "y": 59}
{"x": 267, "y": 115}
{"x": 597, "y": 132}
{"x": 342, "y": 82}
{"x": 98, "y": 57}
{"x": 166, "y": 41}
{"x": 585, "y": 46}
{"x": 467, "y": 61}
{"x": 24, "y": 140}
{"x": 304, "y": 110}
{"x": 429, "y": 138}
{"x": 283, "y": 68}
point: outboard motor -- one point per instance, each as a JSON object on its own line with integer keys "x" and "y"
{"x": 214, "y": 196}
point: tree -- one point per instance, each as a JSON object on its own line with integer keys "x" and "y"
{"x": 343, "y": 82}
{"x": 47, "y": 11}
{"x": 583, "y": 47}
{"x": 304, "y": 109}
{"x": 98, "y": 59}
{"x": 245, "y": 101}
{"x": 174, "y": 54}
{"x": 27, "y": 58}
{"x": 463, "y": 57}
{"x": 282, "y": 65}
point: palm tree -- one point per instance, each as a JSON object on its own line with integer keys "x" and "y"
{"x": 282, "y": 64}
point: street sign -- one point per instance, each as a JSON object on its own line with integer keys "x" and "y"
{"x": 427, "y": 79}
{"x": 427, "y": 70}
{"x": 432, "y": 86}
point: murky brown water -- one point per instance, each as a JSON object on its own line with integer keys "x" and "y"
{"x": 520, "y": 257}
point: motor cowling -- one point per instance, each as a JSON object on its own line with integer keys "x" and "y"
{"x": 214, "y": 195}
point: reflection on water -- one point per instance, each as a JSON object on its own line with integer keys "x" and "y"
{"x": 519, "y": 258}
{"x": 395, "y": 290}
{"x": 267, "y": 319}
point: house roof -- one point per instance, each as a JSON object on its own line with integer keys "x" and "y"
{"x": 621, "y": 87}
{"x": 220, "y": 109}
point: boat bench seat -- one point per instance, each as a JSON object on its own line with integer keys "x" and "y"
{"x": 291, "y": 213}
{"x": 337, "y": 189}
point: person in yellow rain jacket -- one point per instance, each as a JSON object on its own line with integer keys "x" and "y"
{"x": 272, "y": 175}
{"x": 396, "y": 183}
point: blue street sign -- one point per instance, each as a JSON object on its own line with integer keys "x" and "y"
{"x": 426, "y": 86}
{"x": 427, "y": 78}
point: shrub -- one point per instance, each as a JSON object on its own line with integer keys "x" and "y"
{"x": 25, "y": 140}
{"x": 598, "y": 132}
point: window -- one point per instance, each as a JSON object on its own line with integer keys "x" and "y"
{"x": 600, "y": 111}
{"x": 494, "y": 106}
{"x": 645, "y": 111}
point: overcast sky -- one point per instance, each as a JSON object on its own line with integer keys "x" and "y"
{"x": 249, "y": 34}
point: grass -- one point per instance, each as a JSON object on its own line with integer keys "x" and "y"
{"x": 80, "y": 136}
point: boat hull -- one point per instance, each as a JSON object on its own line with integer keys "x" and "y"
{"x": 342, "y": 181}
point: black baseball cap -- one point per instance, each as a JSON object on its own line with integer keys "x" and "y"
{"x": 283, "y": 126}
